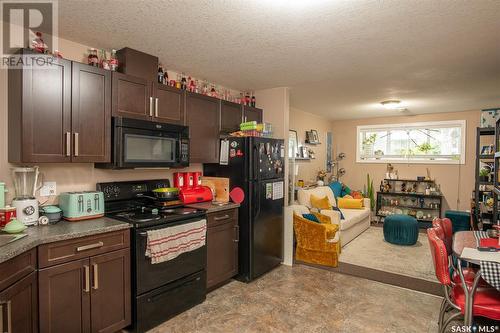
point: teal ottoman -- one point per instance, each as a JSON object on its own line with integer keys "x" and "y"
{"x": 459, "y": 220}
{"x": 400, "y": 229}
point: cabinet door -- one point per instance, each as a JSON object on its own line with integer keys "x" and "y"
{"x": 222, "y": 249}
{"x": 64, "y": 292}
{"x": 230, "y": 116}
{"x": 18, "y": 306}
{"x": 169, "y": 104}
{"x": 46, "y": 113}
{"x": 110, "y": 296}
{"x": 91, "y": 114}
{"x": 202, "y": 117}
{"x": 252, "y": 114}
{"x": 131, "y": 97}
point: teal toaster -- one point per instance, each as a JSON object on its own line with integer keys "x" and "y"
{"x": 78, "y": 206}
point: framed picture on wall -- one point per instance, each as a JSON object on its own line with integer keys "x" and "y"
{"x": 315, "y": 136}
{"x": 293, "y": 150}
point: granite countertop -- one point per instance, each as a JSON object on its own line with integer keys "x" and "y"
{"x": 61, "y": 231}
{"x": 210, "y": 207}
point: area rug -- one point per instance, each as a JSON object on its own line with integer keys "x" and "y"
{"x": 371, "y": 250}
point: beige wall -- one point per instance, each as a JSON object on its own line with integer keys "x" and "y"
{"x": 301, "y": 122}
{"x": 457, "y": 181}
{"x": 275, "y": 103}
{"x": 69, "y": 177}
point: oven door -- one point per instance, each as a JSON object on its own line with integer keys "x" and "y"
{"x": 149, "y": 276}
{"x": 136, "y": 148}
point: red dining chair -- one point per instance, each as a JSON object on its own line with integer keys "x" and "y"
{"x": 447, "y": 227}
{"x": 486, "y": 300}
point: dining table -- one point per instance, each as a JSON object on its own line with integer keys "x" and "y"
{"x": 465, "y": 244}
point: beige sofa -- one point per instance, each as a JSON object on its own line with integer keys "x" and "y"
{"x": 355, "y": 220}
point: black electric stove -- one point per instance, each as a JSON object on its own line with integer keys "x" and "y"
{"x": 159, "y": 291}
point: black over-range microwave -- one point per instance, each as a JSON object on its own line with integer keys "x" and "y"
{"x": 147, "y": 144}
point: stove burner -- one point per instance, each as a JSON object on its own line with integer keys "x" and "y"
{"x": 139, "y": 217}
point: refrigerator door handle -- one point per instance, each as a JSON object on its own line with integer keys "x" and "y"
{"x": 256, "y": 158}
{"x": 256, "y": 202}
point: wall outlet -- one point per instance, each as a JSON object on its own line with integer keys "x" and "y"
{"x": 48, "y": 189}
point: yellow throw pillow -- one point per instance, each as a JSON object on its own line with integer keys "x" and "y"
{"x": 350, "y": 203}
{"x": 320, "y": 203}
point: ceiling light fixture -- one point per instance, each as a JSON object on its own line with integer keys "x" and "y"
{"x": 392, "y": 104}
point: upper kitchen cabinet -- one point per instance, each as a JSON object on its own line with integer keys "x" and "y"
{"x": 230, "y": 117}
{"x": 132, "y": 97}
{"x": 40, "y": 113}
{"x": 202, "y": 117}
{"x": 169, "y": 104}
{"x": 59, "y": 113}
{"x": 252, "y": 114}
{"x": 91, "y": 114}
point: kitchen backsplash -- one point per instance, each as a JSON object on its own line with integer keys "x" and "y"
{"x": 83, "y": 177}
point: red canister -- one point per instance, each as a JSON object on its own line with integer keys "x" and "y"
{"x": 197, "y": 178}
{"x": 179, "y": 179}
{"x": 189, "y": 179}
{"x": 6, "y": 214}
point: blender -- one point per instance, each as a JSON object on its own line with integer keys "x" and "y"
{"x": 25, "y": 181}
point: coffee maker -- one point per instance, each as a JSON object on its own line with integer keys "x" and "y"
{"x": 25, "y": 181}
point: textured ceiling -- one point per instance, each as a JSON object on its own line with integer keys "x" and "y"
{"x": 340, "y": 58}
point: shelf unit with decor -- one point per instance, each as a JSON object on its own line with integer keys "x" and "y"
{"x": 496, "y": 177}
{"x": 415, "y": 203}
{"x": 484, "y": 188}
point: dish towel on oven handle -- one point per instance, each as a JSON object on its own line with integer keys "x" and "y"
{"x": 490, "y": 271}
{"x": 168, "y": 243}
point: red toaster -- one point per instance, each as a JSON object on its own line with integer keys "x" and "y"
{"x": 195, "y": 194}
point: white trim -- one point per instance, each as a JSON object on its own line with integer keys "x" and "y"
{"x": 462, "y": 123}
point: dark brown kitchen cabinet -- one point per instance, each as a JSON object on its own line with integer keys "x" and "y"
{"x": 222, "y": 247}
{"x": 90, "y": 293}
{"x": 252, "y": 114}
{"x": 91, "y": 114}
{"x": 231, "y": 116}
{"x": 64, "y": 293}
{"x": 131, "y": 97}
{"x": 169, "y": 104}
{"x": 40, "y": 113}
{"x": 18, "y": 294}
{"x": 110, "y": 295}
{"x": 59, "y": 111}
{"x": 202, "y": 117}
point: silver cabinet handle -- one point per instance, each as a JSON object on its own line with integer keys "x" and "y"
{"x": 76, "y": 143}
{"x": 87, "y": 278}
{"x": 220, "y": 218}
{"x": 237, "y": 230}
{"x": 95, "y": 270}
{"x": 156, "y": 107}
{"x": 151, "y": 106}
{"x": 89, "y": 247}
{"x": 68, "y": 143}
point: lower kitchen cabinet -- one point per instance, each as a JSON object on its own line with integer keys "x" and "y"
{"x": 89, "y": 294}
{"x": 64, "y": 295}
{"x": 18, "y": 306}
{"x": 222, "y": 247}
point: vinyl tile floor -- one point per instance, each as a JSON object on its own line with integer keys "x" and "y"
{"x": 307, "y": 299}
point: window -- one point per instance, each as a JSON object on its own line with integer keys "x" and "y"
{"x": 431, "y": 142}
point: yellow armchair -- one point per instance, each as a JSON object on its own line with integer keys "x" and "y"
{"x": 317, "y": 243}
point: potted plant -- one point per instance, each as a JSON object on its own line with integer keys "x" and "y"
{"x": 484, "y": 174}
{"x": 368, "y": 144}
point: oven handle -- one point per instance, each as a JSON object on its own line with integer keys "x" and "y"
{"x": 143, "y": 234}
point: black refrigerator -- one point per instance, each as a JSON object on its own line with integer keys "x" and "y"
{"x": 257, "y": 166}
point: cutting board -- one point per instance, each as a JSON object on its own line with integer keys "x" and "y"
{"x": 220, "y": 185}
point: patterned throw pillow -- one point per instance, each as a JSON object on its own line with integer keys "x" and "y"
{"x": 311, "y": 217}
